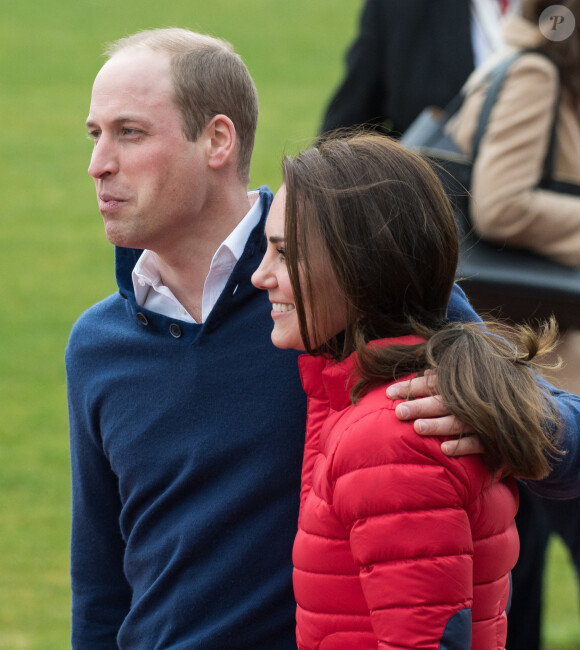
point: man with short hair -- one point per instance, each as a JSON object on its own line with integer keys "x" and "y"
{"x": 186, "y": 423}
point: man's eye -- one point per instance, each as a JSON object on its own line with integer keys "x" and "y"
{"x": 94, "y": 135}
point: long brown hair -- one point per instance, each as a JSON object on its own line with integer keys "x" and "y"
{"x": 377, "y": 216}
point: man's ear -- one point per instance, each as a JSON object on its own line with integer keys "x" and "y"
{"x": 221, "y": 134}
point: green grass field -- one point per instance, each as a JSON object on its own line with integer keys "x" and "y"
{"x": 55, "y": 261}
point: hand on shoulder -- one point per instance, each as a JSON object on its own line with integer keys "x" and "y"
{"x": 431, "y": 417}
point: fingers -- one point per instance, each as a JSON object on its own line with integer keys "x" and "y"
{"x": 447, "y": 425}
{"x": 417, "y": 387}
{"x": 462, "y": 446}
{"x": 430, "y": 415}
{"x": 426, "y": 407}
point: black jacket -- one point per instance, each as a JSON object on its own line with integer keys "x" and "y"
{"x": 408, "y": 54}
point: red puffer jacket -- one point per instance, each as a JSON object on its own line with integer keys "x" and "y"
{"x": 398, "y": 546}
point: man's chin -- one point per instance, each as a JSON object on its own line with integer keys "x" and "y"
{"x": 119, "y": 238}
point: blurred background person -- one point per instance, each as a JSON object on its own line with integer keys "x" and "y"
{"x": 410, "y": 54}
{"x": 508, "y": 207}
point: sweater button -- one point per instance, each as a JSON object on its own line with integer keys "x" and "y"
{"x": 142, "y": 318}
{"x": 175, "y": 330}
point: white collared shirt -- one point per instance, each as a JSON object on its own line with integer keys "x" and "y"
{"x": 485, "y": 27}
{"x": 151, "y": 293}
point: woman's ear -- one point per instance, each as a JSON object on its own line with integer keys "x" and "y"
{"x": 221, "y": 134}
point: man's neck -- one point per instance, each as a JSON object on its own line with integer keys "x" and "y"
{"x": 185, "y": 266}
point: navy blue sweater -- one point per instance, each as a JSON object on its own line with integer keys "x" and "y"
{"x": 186, "y": 445}
{"x": 186, "y": 448}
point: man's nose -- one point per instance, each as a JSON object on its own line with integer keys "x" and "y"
{"x": 104, "y": 158}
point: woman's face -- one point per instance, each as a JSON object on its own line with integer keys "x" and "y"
{"x": 272, "y": 276}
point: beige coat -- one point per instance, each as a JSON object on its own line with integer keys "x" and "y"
{"x": 505, "y": 205}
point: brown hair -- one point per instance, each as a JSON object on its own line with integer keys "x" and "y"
{"x": 377, "y": 216}
{"x": 209, "y": 78}
{"x": 566, "y": 53}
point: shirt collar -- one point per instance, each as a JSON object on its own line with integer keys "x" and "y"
{"x": 486, "y": 19}
{"x": 236, "y": 241}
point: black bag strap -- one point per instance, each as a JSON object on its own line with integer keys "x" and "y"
{"x": 497, "y": 77}
{"x": 551, "y": 153}
{"x": 453, "y": 107}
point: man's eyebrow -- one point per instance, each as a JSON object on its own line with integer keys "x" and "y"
{"x": 122, "y": 119}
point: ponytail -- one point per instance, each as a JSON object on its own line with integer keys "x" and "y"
{"x": 485, "y": 378}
